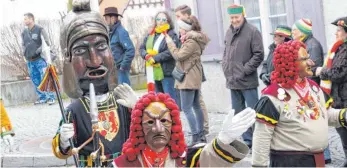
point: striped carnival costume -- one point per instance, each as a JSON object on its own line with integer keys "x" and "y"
{"x": 293, "y": 114}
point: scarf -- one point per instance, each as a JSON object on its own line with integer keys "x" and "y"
{"x": 152, "y": 49}
{"x": 328, "y": 63}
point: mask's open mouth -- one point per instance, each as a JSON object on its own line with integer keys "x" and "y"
{"x": 159, "y": 136}
{"x": 96, "y": 73}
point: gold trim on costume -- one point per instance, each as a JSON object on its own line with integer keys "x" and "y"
{"x": 266, "y": 118}
{"x": 194, "y": 157}
{"x": 220, "y": 153}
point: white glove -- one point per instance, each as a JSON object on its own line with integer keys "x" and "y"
{"x": 66, "y": 132}
{"x": 127, "y": 96}
{"x": 235, "y": 126}
{"x": 9, "y": 141}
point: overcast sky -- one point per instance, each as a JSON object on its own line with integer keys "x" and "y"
{"x": 13, "y": 10}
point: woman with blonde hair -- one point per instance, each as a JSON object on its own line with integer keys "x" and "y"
{"x": 188, "y": 72}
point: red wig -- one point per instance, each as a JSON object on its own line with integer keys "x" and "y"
{"x": 286, "y": 67}
{"x": 136, "y": 142}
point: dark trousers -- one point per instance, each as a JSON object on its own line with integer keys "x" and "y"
{"x": 277, "y": 160}
{"x": 239, "y": 99}
{"x": 343, "y": 135}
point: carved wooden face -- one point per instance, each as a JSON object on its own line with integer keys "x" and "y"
{"x": 93, "y": 62}
{"x": 157, "y": 123}
{"x": 304, "y": 63}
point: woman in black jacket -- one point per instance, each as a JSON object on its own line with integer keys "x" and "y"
{"x": 154, "y": 49}
{"x": 281, "y": 34}
{"x": 334, "y": 75}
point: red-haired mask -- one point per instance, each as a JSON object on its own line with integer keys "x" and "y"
{"x": 291, "y": 62}
{"x": 156, "y": 124}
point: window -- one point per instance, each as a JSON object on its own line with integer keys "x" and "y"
{"x": 277, "y": 13}
{"x": 252, "y": 12}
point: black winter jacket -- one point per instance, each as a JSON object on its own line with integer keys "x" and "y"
{"x": 164, "y": 56}
{"x": 338, "y": 76}
{"x": 315, "y": 50}
{"x": 268, "y": 65}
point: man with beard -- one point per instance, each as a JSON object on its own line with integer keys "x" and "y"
{"x": 123, "y": 50}
{"x": 156, "y": 138}
{"x": 88, "y": 59}
{"x": 293, "y": 114}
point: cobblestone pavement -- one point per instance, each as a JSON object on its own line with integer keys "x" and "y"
{"x": 35, "y": 126}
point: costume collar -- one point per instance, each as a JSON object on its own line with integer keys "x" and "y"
{"x": 151, "y": 158}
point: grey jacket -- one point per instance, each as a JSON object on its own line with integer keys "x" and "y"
{"x": 315, "y": 50}
{"x": 243, "y": 54}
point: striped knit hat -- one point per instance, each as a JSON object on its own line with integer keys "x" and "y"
{"x": 304, "y": 25}
{"x": 237, "y": 9}
{"x": 282, "y": 30}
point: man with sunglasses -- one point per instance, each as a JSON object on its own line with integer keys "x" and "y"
{"x": 123, "y": 50}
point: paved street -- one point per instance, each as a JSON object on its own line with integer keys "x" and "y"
{"x": 36, "y": 125}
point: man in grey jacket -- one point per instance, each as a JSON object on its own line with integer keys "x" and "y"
{"x": 243, "y": 54}
{"x": 32, "y": 48}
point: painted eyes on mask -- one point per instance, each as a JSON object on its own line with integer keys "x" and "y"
{"x": 79, "y": 51}
{"x": 102, "y": 46}
{"x": 163, "y": 121}
{"x": 150, "y": 122}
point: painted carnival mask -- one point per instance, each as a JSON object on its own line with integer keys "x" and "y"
{"x": 93, "y": 62}
{"x": 305, "y": 64}
{"x": 157, "y": 123}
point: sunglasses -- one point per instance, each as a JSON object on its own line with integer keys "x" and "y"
{"x": 162, "y": 19}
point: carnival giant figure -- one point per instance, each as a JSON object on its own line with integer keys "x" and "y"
{"x": 88, "y": 59}
{"x": 293, "y": 114}
{"x": 156, "y": 138}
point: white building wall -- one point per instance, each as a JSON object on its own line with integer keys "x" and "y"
{"x": 190, "y": 3}
{"x": 333, "y": 9}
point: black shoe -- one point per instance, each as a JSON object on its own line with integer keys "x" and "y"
{"x": 202, "y": 137}
{"x": 327, "y": 161}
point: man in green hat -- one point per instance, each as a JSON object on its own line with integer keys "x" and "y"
{"x": 243, "y": 54}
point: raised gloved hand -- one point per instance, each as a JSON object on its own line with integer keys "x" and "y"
{"x": 9, "y": 141}
{"x": 235, "y": 126}
{"x": 127, "y": 96}
{"x": 66, "y": 132}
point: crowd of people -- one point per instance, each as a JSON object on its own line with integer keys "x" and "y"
{"x": 304, "y": 94}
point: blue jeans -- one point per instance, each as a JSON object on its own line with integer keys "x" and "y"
{"x": 124, "y": 77}
{"x": 327, "y": 153}
{"x": 239, "y": 98}
{"x": 37, "y": 71}
{"x": 167, "y": 85}
{"x": 190, "y": 101}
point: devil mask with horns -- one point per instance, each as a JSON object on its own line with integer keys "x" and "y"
{"x": 88, "y": 59}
